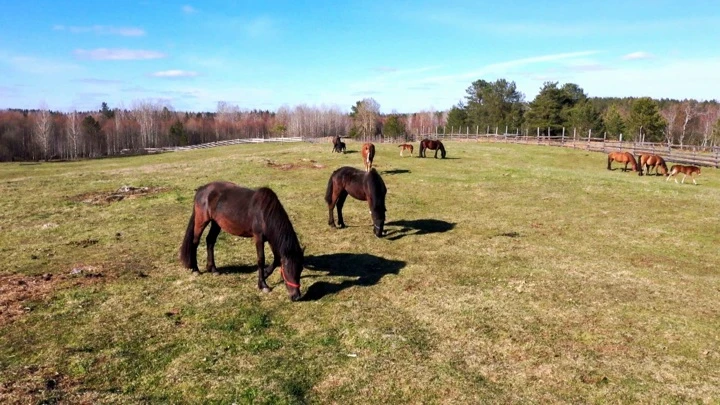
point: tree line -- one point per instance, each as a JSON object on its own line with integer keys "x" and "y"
{"x": 498, "y": 106}
{"x": 488, "y": 106}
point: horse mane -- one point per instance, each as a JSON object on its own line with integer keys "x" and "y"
{"x": 277, "y": 226}
{"x": 377, "y": 189}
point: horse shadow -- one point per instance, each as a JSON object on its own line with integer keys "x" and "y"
{"x": 396, "y": 171}
{"x": 366, "y": 268}
{"x": 236, "y": 269}
{"x": 417, "y": 227}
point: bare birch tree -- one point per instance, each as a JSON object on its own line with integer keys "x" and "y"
{"x": 144, "y": 112}
{"x": 690, "y": 111}
{"x": 43, "y": 130}
{"x": 72, "y": 129}
{"x": 670, "y": 114}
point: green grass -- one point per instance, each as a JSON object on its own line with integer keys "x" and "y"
{"x": 512, "y": 274}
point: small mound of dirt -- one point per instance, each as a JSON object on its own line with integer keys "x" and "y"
{"x": 124, "y": 192}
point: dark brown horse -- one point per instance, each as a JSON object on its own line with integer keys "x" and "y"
{"x": 624, "y": 157}
{"x": 249, "y": 213}
{"x": 368, "y": 154}
{"x": 432, "y": 145}
{"x": 338, "y": 145}
{"x": 405, "y": 146}
{"x": 360, "y": 185}
{"x": 649, "y": 162}
{"x": 685, "y": 170}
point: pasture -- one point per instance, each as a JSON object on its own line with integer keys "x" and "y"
{"x": 510, "y": 273}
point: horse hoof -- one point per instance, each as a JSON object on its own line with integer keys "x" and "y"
{"x": 341, "y": 226}
{"x": 195, "y": 272}
{"x": 266, "y": 290}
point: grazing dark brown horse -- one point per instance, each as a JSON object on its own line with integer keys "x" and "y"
{"x": 368, "y": 154}
{"x": 685, "y": 170}
{"x": 338, "y": 145}
{"x": 249, "y": 213}
{"x": 362, "y": 186}
{"x": 624, "y": 157}
{"x": 649, "y": 162}
{"x": 405, "y": 146}
{"x": 432, "y": 145}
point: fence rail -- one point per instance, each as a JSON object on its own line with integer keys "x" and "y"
{"x": 221, "y": 143}
{"x": 695, "y": 155}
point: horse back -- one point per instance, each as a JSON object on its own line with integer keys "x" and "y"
{"x": 227, "y": 204}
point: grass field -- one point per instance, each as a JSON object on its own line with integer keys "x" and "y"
{"x": 509, "y": 274}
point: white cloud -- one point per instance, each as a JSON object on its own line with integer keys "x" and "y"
{"x": 102, "y": 30}
{"x": 188, "y": 9}
{"x": 174, "y": 73}
{"x": 117, "y": 54}
{"x": 638, "y": 56}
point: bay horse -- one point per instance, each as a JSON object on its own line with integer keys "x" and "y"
{"x": 340, "y": 147}
{"x": 649, "y": 162}
{"x": 368, "y": 153}
{"x": 405, "y": 146}
{"x": 338, "y": 144}
{"x": 685, "y": 170}
{"x": 624, "y": 157}
{"x": 363, "y": 186}
{"x": 248, "y": 213}
{"x": 432, "y": 145}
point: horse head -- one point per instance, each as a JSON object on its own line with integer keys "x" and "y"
{"x": 291, "y": 268}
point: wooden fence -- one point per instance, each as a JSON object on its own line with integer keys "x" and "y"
{"x": 220, "y": 143}
{"x": 687, "y": 154}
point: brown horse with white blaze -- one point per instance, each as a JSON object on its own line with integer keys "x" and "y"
{"x": 368, "y": 154}
{"x": 685, "y": 170}
{"x": 624, "y": 157}
{"x": 248, "y": 213}
{"x": 649, "y": 162}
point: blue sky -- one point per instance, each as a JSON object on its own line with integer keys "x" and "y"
{"x": 408, "y": 56}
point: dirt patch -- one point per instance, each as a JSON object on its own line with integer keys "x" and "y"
{"x": 38, "y": 384}
{"x": 18, "y": 293}
{"x": 123, "y": 193}
{"x": 303, "y": 164}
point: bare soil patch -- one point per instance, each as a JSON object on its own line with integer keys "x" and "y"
{"x": 123, "y": 193}
{"x": 18, "y": 292}
{"x": 303, "y": 164}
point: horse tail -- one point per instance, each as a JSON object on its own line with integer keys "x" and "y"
{"x": 187, "y": 244}
{"x": 442, "y": 150}
{"x": 329, "y": 191}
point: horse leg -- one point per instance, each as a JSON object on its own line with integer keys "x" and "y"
{"x": 625, "y": 169}
{"x": 331, "y": 208}
{"x": 693, "y": 177}
{"x": 211, "y": 239}
{"x": 268, "y": 271}
{"x": 340, "y": 202}
{"x": 260, "y": 247}
{"x": 683, "y": 180}
{"x": 200, "y": 224}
